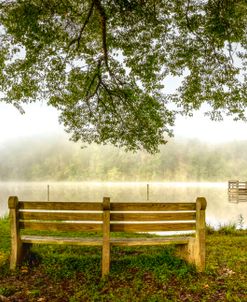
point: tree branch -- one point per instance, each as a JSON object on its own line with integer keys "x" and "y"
{"x": 96, "y": 75}
{"x": 110, "y": 94}
{"x": 190, "y": 28}
{"x": 103, "y": 20}
{"x": 78, "y": 39}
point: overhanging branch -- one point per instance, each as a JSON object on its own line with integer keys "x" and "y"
{"x": 103, "y": 20}
{"x": 78, "y": 39}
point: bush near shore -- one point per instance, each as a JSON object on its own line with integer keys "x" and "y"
{"x": 151, "y": 274}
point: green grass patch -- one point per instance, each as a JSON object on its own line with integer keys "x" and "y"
{"x": 150, "y": 274}
{"x": 4, "y": 234}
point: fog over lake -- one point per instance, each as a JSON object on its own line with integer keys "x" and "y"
{"x": 219, "y": 209}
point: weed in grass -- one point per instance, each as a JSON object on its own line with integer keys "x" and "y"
{"x": 227, "y": 229}
{"x": 240, "y": 222}
{"x": 155, "y": 298}
{"x": 5, "y": 235}
{"x": 74, "y": 299}
{"x": 3, "y": 257}
{"x": 210, "y": 229}
{"x": 34, "y": 292}
{"x": 7, "y": 290}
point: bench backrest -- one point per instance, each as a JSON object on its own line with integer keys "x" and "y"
{"x": 57, "y": 216}
{"x": 155, "y": 217}
{"x": 108, "y": 217}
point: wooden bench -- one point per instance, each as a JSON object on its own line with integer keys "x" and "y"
{"x": 106, "y": 218}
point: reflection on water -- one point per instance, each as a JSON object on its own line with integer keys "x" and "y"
{"x": 219, "y": 210}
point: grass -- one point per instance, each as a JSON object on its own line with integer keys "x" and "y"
{"x": 148, "y": 274}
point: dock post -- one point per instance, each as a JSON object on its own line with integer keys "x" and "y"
{"x": 147, "y": 192}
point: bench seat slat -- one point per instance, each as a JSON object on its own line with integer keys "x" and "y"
{"x": 30, "y": 239}
{"x": 152, "y": 206}
{"x": 60, "y": 216}
{"x": 61, "y": 240}
{"x": 54, "y": 205}
{"x": 53, "y": 226}
{"x": 152, "y": 227}
{"x": 149, "y": 241}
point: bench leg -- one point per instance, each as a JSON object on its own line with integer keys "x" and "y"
{"x": 16, "y": 244}
{"x": 184, "y": 251}
{"x": 106, "y": 237}
{"x": 16, "y": 254}
{"x": 105, "y": 259}
{"x": 199, "y": 256}
{"x": 200, "y": 244}
{"x": 193, "y": 253}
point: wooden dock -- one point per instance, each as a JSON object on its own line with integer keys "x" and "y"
{"x": 237, "y": 191}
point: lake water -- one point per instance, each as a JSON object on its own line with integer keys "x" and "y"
{"x": 219, "y": 209}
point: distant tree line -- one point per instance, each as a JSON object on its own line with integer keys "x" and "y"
{"x": 179, "y": 160}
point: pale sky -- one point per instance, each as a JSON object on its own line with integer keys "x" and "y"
{"x": 40, "y": 119}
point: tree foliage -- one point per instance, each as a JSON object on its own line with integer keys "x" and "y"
{"x": 103, "y": 63}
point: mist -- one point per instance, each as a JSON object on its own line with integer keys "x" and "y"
{"x": 55, "y": 158}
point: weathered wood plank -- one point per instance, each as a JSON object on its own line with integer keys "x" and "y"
{"x": 16, "y": 244}
{"x": 48, "y": 205}
{"x": 60, "y": 216}
{"x": 31, "y": 239}
{"x": 237, "y": 184}
{"x": 149, "y": 241}
{"x": 60, "y": 226}
{"x": 153, "y": 216}
{"x": 152, "y": 227}
{"x": 199, "y": 248}
{"x": 146, "y": 206}
{"x": 106, "y": 237}
{"x": 238, "y": 191}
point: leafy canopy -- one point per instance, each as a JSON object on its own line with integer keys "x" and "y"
{"x": 103, "y": 63}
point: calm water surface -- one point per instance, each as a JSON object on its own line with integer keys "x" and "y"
{"x": 219, "y": 209}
